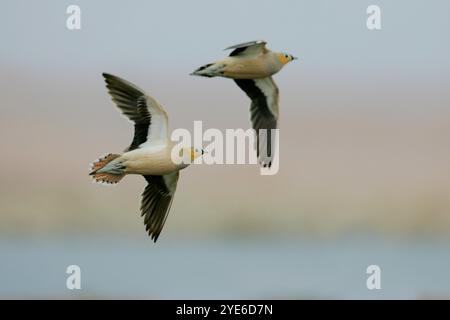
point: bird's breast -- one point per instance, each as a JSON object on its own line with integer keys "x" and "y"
{"x": 250, "y": 67}
{"x": 149, "y": 161}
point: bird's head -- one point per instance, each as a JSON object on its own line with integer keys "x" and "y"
{"x": 285, "y": 57}
{"x": 192, "y": 153}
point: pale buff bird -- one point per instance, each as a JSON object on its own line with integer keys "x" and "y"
{"x": 251, "y": 65}
{"x": 148, "y": 155}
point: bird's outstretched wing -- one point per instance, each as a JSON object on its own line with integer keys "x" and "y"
{"x": 248, "y": 48}
{"x": 263, "y": 114}
{"x": 156, "y": 201}
{"x": 149, "y": 117}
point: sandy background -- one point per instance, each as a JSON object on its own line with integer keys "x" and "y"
{"x": 364, "y": 120}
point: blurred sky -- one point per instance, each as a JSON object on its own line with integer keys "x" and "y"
{"x": 365, "y": 117}
{"x": 329, "y": 36}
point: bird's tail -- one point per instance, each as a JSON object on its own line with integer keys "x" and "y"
{"x": 103, "y": 171}
{"x": 209, "y": 70}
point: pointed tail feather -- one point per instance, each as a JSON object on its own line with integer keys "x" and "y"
{"x": 104, "y": 176}
{"x": 209, "y": 70}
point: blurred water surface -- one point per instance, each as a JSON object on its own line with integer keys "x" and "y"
{"x": 217, "y": 269}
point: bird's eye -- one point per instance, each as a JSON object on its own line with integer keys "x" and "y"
{"x": 286, "y": 56}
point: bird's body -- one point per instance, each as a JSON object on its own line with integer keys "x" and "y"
{"x": 251, "y": 65}
{"x": 149, "y": 155}
{"x": 246, "y": 67}
{"x": 153, "y": 159}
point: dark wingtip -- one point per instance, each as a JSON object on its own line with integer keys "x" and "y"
{"x": 154, "y": 237}
{"x": 108, "y": 76}
{"x": 266, "y": 165}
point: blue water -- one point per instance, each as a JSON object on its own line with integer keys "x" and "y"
{"x": 217, "y": 269}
